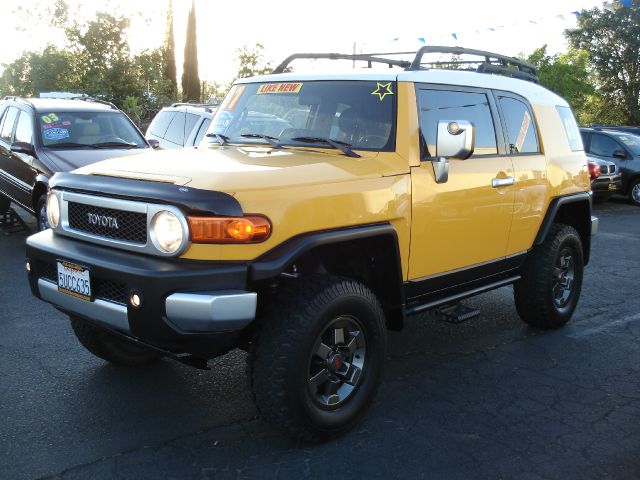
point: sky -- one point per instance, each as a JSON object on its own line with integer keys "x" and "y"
{"x": 501, "y": 26}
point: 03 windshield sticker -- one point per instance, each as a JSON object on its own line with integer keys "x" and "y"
{"x": 524, "y": 129}
{"x": 56, "y": 133}
{"x": 279, "y": 88}
{"x": 627, "y": 141}
{"x": 382, "y": 90}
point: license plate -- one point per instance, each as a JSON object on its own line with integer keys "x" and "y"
{"x": 612, "y": 186}
{"x": 74, "y": 280}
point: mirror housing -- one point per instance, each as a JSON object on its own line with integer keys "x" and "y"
{"x": 619, "y": 154}
{"x": 455, "y": 139}
{"x": 23, "y": 147}
{"x": 153, "y": 143}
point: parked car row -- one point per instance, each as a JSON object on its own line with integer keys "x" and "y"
{"x": 617, "y": 146}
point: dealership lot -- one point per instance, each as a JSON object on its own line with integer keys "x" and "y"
{"x": 490, "y": 398}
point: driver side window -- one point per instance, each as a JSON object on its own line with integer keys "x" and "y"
{"x": 603, "y": 146}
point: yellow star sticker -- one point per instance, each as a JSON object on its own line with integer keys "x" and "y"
{"x": 383, "y": 90}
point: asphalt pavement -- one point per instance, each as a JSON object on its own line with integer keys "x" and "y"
{"x": 487, "y": 399}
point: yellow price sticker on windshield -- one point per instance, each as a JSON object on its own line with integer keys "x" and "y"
{"x": 279, "y": 88}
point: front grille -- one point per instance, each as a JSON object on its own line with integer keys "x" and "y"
{"x": 131, "y": 226}
{"x": 102, "y": 288}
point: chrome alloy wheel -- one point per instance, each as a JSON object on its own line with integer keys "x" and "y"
{"x": 635, "y": 193}
{"x": 563, "y": 276}
{"x": 337, "y": 362}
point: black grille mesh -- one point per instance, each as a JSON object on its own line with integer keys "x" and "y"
{"x": 132, "y": 226}
{"x": 102, "y": 288}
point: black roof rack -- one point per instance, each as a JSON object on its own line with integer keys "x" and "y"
{"x": 369, "y": 58}
{"x": 488, "y": 63}
{"x": 86, "y": 98}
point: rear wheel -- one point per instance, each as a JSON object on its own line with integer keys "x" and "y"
{"x": 634, "y": 193}
{"x": 318, "y": 359}
{"x": 548, "y": 293}
{"x": 109, "y": 347}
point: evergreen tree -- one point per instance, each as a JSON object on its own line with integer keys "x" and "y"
{"x": 190, "y": 78}
{"x": 169, "y": 54}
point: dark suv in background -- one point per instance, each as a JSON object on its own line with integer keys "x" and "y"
{"x": 41, "y": 136}
{"x": 621, "y": 148}
{"x": 181, "y": 125}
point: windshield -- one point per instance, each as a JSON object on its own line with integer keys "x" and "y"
{"x": 360, "y": 114}
{"x": 88, "y": 129}
{"x": 632, "y": 142}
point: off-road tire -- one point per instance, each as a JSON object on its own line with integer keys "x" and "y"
{"x": 111, "y": 348}
{"x": 634, "y": 193}
{"x": 534, "y": 293}
{"x": 282, "y": 359}
{"x": 5, "y": 204}
{"x": 41, "y": 213}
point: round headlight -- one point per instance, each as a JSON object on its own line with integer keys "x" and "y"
{"x": 53, "y": 210}
{"x": 167, "y": 231}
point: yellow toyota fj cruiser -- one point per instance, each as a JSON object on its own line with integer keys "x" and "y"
{"x": 320, "y": 210}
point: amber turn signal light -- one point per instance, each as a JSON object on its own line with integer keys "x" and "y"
{"x": 249, "y": 229}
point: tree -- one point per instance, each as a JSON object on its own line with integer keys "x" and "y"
{"x": 190, "y": 77}
{"x": 567, "y": 75}
{"x": 169, "y": 54}
{"x": 611, "y": 37}
{"x": 250, "y": 59}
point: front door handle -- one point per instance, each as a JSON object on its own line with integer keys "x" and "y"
{"x": 502, "y": 182}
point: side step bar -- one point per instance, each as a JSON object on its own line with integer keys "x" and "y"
{"x": 421, "y": 307}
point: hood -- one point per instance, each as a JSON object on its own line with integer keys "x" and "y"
{"x": 67, "y": 160}
{"x": 234, "y": 169}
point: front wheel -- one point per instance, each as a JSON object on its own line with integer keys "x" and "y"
{"x": 318, "y": 359}
{"x": 5, "y": 203}
{"x": 634, "y": 193}
{"x": 110, "y": 347}
{"x": 548, "y": 293}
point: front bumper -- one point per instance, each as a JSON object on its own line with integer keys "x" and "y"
{"x": 186, "y": 306}
{"x": 606, "y": 185}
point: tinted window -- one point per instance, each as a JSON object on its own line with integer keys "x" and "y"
{"x": 570, "y": 128}
{"x": 7, "y": 125}
{"x": 203, "y": 128}
{"x": 520, "y": 126}
{"x": 436, "y": 105}
{"x": 603, "y": 146}
{"x": 175, "y": 132}
{"x": 24, "y": 130}
{"x": 191, "y": 121}
{"x": 160, "y": 123}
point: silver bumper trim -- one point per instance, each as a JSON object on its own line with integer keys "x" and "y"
{"x": 594, "y": 225}
{"x": 108, "y": 313}
{"x": 212, "y": 312}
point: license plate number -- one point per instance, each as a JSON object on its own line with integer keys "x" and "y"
{"x": 74, "y": 280}
{"x": 612, "y": 186}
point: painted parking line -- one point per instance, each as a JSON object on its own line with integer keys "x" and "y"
{"x": 607, "y": 326}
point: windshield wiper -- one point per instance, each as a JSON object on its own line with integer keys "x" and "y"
{"x": 222, "y": 139}
{"x": 275, "y": 142}
{"x": 344, "y": 147}
{"x": 71, "y": 145}
{"x": 115, "y": 144}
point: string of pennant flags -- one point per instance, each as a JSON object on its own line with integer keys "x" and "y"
{"x": 537, "y": 21}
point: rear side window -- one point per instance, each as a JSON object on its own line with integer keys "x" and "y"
{"x": 436, "y": 105}
{"x": 521, "y": 128}
{"x": 175, "y": 132}
{"x": 570, "y": 128}
{"x": 6, "y": 134}
{"x": 160, "y": 123}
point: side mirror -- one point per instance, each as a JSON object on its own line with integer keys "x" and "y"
{"x": 455, "y": 139}
{"x": 620, "y": 154}
{"x": 23, "y": 147}
{"x": 153, "y": 143}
